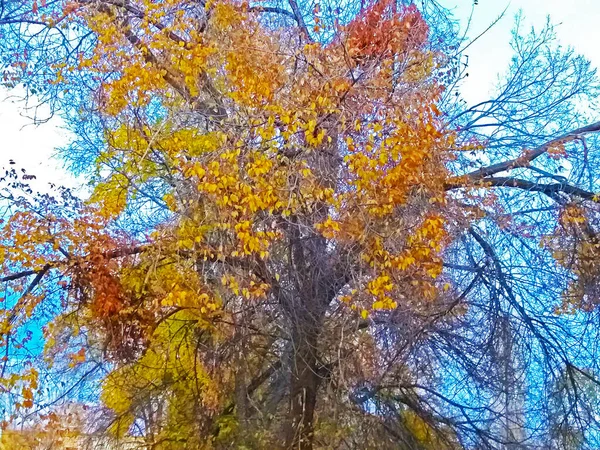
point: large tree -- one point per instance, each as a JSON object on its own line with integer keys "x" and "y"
{"x": 297, "y": 237}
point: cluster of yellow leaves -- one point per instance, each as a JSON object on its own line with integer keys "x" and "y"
{"x": 575, "y": 247}
{"x": 60, "y": 429}
{"x": 170, "y": 371}
{"x": 428, "y": 437}
{"x": 23, "y": 385}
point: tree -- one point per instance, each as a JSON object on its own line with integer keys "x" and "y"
{"x": 291, "y": 237}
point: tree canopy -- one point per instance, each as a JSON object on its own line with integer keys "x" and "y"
{"x": 298, "y": 235}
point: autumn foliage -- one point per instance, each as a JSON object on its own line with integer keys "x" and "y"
{"x": 385, "y": 28}
{"x": 262, "y": 205}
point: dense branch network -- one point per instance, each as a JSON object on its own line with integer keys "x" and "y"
{"x": 287, "y": 244}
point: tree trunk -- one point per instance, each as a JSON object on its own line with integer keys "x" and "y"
{"x": 304, "y": 384}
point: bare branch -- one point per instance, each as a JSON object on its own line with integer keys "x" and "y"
{"x": 550, "y": 189}
{"x": 526, "y": 159}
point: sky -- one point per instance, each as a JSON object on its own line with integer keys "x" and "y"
{"x": 29, "y": 146}
{"x": 32, "y": 147}
{"x": 576, "y": 25}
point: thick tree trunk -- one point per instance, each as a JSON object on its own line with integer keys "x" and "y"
{"x": 304, "y": 384}
{"x": 317, "y": 284}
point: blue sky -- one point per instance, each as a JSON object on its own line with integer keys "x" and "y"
{"x": 32, "y": 147}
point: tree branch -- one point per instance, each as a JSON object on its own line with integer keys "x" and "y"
{"x": 525, "y": 160}
{"x": 16, "y": 276}
{"x": 550, "y": 189}
{"x": 272, "y": 9}
{"x": 300, "y": 19}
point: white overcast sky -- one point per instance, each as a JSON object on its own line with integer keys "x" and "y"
{"x": 32, "y": 147}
